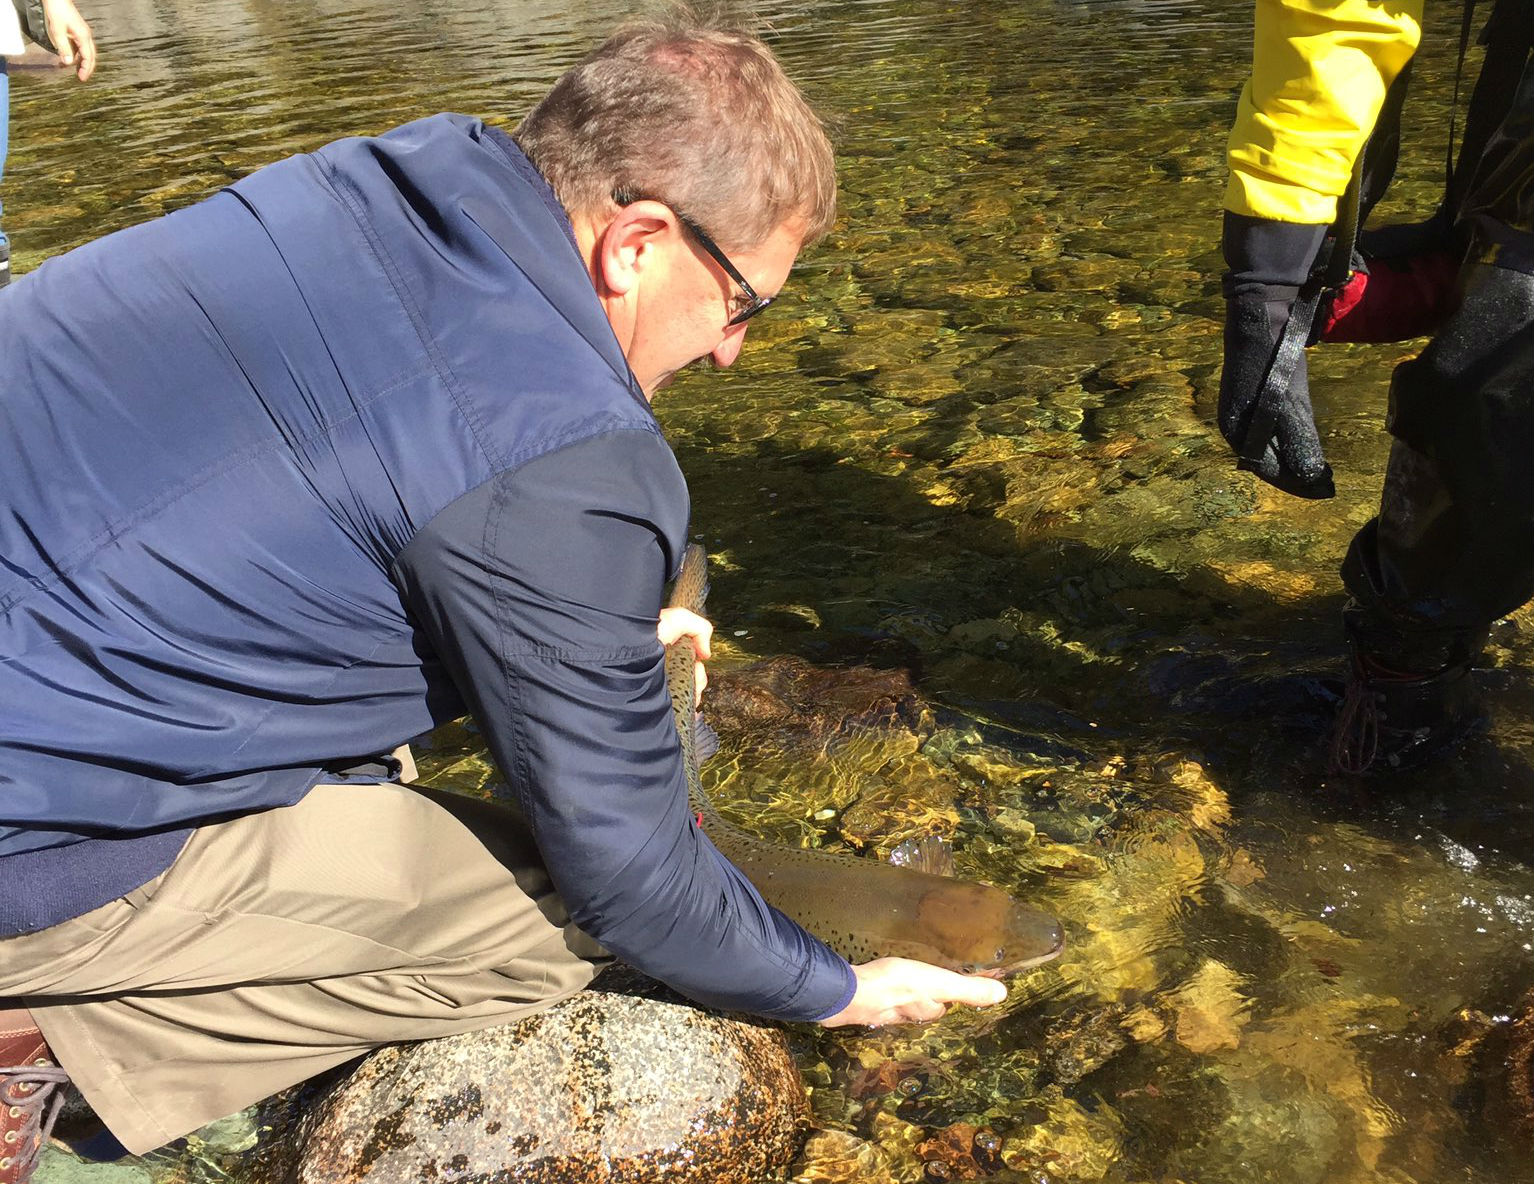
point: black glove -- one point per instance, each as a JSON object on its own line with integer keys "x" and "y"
{"x": 1275, "y": 437}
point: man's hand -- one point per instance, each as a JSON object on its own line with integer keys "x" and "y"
{"x": 71, "y": 36}
{"x": 677, "y": 623}
{"x": 902, "y": 991}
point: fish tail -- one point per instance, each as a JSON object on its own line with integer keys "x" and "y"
{"x": 705, "y": 741}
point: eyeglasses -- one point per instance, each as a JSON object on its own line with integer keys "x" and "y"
{"x": 754, "y": 303}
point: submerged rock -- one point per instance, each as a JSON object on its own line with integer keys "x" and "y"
{"x": 799, "y": 703}
{"x": 602, "y": 1087}
{"x": 1519, "y": 1060}
{"x": 1491, "y": 1059}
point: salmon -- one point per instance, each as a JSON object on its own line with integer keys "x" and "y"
{"x": 862, "y": 908}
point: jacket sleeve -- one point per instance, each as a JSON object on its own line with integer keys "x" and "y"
{"x": 1320, "y": 70}
{"x": 539, "y": 592}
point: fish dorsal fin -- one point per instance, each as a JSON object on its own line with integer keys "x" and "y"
{"x": 932, "y": 854}
{"x": 705, "y": 741}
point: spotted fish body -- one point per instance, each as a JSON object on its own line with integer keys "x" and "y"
{"x": 861, "y": 908}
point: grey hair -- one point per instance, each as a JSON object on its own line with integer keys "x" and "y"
{"x": 693, "y": 109}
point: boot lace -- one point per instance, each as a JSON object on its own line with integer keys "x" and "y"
{"x": 1356, "y": 740}
{"x": 33, "y": 1094}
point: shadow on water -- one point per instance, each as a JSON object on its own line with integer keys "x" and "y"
{"x": 1057, "y": 636}
{"x": 863, "y": 567}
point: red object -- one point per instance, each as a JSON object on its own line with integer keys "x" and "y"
{"x": 1395, "y": 300}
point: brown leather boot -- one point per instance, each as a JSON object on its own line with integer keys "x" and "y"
{"x": 31, "y": 1093}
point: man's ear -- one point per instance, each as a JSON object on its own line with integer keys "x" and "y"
{"x": 629, "y": 247}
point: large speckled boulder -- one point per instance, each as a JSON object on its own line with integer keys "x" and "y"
{"x": 604, "y": 1086}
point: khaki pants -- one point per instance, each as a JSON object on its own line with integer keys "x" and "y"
{"x": 284, "y": 943}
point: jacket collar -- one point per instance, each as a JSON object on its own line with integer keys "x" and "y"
{"x": 527, "y": 224}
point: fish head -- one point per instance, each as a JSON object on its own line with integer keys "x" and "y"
{"x": 979, "y": 929}
{"x": 1027, "y": 937}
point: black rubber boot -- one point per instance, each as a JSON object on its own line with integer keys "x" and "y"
{"x": 1391, "y": 720}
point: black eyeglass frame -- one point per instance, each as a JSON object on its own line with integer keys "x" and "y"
{"x": 754, "y": 303}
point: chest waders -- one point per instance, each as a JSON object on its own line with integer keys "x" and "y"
{"x": 1452, "y": 547}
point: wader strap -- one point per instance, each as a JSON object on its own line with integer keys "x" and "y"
{"x": 1466, "y": 20}
{"x": 1302, "y": 315}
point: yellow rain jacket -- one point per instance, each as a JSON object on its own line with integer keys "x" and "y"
{"x": 1320, "y": 69}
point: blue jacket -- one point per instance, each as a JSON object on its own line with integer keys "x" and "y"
{"x": 300, "y": 472}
